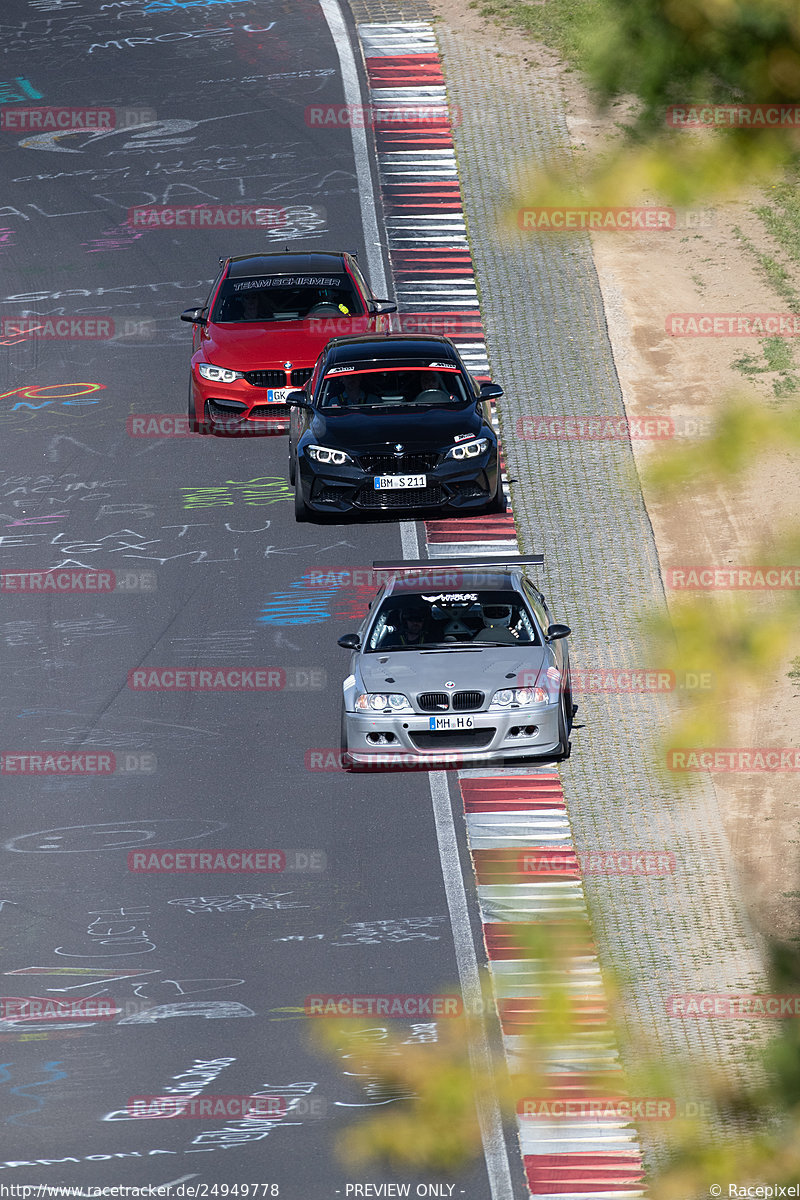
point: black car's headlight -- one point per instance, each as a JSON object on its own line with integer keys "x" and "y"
{"x": 519, "y": 697}
{"x": 218, "y": 374}
{"x": 382, "y": 702}
{"x": 468, "y": 449}
{"x": 327, "y": 456}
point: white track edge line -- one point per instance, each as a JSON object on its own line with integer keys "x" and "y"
{"x": 332, "y": 13}
{"x": 492, "y": 1134}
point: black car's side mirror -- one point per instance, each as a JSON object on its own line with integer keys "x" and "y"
{"x": 194, "y": 316}
{"x": 554, "y": 632}
{"x": 350, "y": 641}
{"x": 490, "y": 391}
{"x": 297, "y": 399}
{"x": 383, "y": 306}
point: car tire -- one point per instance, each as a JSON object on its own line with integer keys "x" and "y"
{"x": 292, "y": 466}
{"x": 195, "y": 426}
{"x": 570, "y": 708}
{"x": 301, "y": 509}
{"x": 564, "y": 727}
{"x": 499, "y": 503}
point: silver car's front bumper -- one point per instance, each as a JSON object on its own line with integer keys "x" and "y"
{"x": 494, "y": 736}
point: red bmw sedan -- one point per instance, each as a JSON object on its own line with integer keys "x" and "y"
{"x": 264, "y": 323}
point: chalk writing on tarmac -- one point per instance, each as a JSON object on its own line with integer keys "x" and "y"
{"x": 36, "y": 396}
{"x": 113, "y": 835}
{"x": 51, "y": 1073}
{"x": 239, "y": 902}
{"x": 186, "y": 1084}
{"x": 255, "y": 493}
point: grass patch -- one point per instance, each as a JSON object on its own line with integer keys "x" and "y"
{"x": 795, "y": 671}
{"x": 777, "y": 358}
{"x": 556, "y": 23}
{"x": 780, "y": 217}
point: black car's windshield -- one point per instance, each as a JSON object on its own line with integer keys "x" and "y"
{"x": 448, "y": 619}
{"x": 287, "y": 298}
{"x": 398, "y": 388}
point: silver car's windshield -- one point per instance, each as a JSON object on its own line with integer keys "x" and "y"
{"x": 431, "y": 620}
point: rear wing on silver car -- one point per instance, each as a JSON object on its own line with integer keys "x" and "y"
{"x": 432, "y": 565}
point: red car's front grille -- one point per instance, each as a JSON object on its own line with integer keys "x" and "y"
{"x": 273, "y": 412}
{"x": 271, "y": 379}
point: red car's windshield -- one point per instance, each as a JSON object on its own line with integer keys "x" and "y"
{"x": 287, "y": 298}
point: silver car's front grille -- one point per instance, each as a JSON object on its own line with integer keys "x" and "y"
{"x": 464, "y": 701}
{"x": 451, "y": 739}
{"x": 433, "y": 701}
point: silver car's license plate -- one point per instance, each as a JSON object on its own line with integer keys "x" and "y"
{"x": 451, "y": 722}
{"x": 399, "y": 481}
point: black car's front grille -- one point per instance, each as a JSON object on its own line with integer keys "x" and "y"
{"x": 301, "y": 375}
{"x": 469, "y": 490}
{"x": 274, "y": 412}
{"x": 465, "y": 701}
{"x": 433, "y": 701}
{"x": 398, "y": 464}
{"x": 452, "y": 739}
{"x": 328, "y": 495}
{"x": 270, "y": 379}
{"x": 371, "y": 497}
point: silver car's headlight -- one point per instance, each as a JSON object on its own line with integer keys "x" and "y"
{"x": 468, "y": 449}
{"x": 519, "y": 697}
{"x": 218, "y": 374}
{"x": 328, "y": 456}
{"x": 382, "y": 702}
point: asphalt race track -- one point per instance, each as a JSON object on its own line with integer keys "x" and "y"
{"x": 198, "y": 980}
